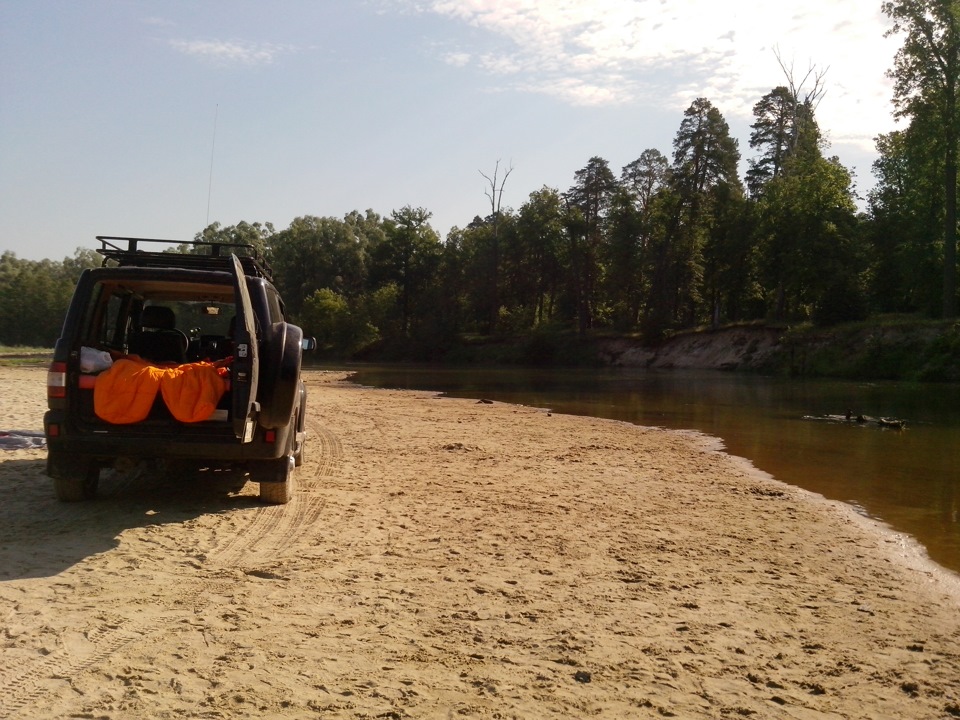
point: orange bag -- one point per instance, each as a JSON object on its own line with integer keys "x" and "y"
{"x": 125, "y": 393}
{"x": 192, "y": 391}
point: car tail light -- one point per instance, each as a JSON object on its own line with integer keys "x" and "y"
{"x": 270, "y": 436}
{"x": 53, "y": 430}
{"x": 57, "y": 380}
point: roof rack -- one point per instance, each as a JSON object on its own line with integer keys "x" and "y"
{"x": 191, "y": 254}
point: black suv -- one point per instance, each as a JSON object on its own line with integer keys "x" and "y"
{"x": 204, "y": 310}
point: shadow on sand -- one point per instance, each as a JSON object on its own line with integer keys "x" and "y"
{"x": 41, "y": 537}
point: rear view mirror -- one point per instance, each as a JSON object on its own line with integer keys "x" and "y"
{"x": 308, "y": 343}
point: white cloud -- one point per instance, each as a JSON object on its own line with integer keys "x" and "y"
{"x": 158, "y": 21}
{"x": 228, "y": 52}
{"x": 457, "y": 59}
{"x": 593, "y": 52}
{"x": 576, "y": 92}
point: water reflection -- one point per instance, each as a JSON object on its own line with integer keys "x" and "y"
{"x": 908, "y": 479}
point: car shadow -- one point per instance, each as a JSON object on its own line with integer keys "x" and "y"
{"x": 41, "y": 536}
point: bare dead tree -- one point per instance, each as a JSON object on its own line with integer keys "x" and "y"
{"x": 495, "y": 195}
{"x": 805, "y": 97}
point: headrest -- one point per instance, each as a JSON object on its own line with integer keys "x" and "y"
{"x": 158, "y": 317}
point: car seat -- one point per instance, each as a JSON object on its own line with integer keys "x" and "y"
{"x": 158, "y": 338}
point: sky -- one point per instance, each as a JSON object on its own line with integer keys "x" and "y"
{"x": 154, "y": 118}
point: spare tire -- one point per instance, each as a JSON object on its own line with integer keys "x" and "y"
{"x": 280, "y": 358}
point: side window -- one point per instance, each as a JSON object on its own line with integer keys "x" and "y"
{"x": 112, "y": 330}
{"x": 104, "y": 323}
{"x": 275, "y": 306}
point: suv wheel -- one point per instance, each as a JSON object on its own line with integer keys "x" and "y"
{"x": 76, "y": 482}
{"x": 278, "y": 490}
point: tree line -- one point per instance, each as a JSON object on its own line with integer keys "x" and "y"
{"x": 34, "y": 295}
{"x": 669, "y": 241}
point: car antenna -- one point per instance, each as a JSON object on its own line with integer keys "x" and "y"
{"x": 213, "y": 145}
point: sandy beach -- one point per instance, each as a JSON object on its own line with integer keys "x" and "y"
{"x": 447, "y": 558}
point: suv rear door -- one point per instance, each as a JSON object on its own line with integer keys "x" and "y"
{"x": 246, "y": 361}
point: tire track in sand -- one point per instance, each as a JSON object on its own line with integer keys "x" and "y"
{"x": 268, "y": 532}
{"x": 21, "y": 685}
{"x": 273, "y": 527}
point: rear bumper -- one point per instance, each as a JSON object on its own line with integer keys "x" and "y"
{"x": 186, "y": 442}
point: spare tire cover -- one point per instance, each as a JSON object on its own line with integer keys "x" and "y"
{"x": 280, "y": 359}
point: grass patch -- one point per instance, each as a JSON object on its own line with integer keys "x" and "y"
{"x": 16, "y": 355}
{"x": 892, "y": 347}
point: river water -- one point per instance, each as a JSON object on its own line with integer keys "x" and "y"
{"x": 794, "y": 430}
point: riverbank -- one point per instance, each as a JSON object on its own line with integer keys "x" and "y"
{"x": 882, "y": 348}
{"x": 893, "y": 348}
{"x": 879, "y": 349}
{"x": 447, "y": 558}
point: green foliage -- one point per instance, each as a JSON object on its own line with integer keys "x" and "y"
{"x": 546, "y": 346}
{"x": 906, "y": 209}
{"x": 15, "y": 350}
{"x": 842, "y": 301}
{"x": 25, "y": 356}
{"x": 895, "y": 348}
{"x": 408, "y": 256}
{"x": 343, "y": 326}
{"x": 683, "y": 223}
{"x": 315, "y": 253}
{"x": 243, "y": 233}
{"x": 382, "y": 308}
{"x": 941, "y": 359}
{"x": 704, "y": 153}
{"x": 926, "y": 75}
{"x": 775, "y": 126}
{"x": 808, "y": 233}
{"x": 325, "y": 314}
{"x": 552, "y": 346}
{"x": 588, "y": 204}
{"x": 34, "y": 295}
